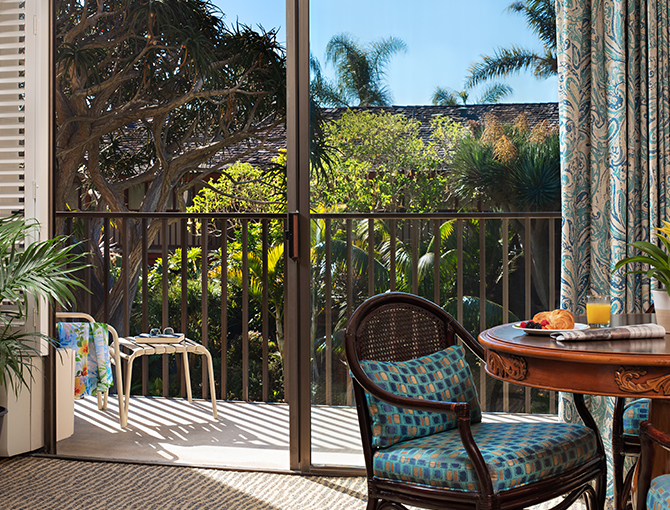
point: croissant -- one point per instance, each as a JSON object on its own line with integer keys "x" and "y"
{"x": 558, "y": 319}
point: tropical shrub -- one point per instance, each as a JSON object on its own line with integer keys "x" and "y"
{"x": 380, "y": 162}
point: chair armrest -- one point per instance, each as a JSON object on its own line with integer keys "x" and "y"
{"x": 649, "y": 437}
{"x": 74, "y": 315}
{"x": 660, "y": 438}
{"x": 460, "y": 409}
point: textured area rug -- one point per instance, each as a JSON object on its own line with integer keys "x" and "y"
{"x": 28, "y": 483}
{"x": 50, "y": 484}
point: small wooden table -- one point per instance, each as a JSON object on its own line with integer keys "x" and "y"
{"x": 621, "y": 368}
{"x": 130, "y": 349}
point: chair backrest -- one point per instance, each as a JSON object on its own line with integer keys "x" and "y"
{"x": 84, "y": 317}
{"x": 397, "y": 327}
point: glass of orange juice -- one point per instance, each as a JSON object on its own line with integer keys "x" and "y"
{"x": 598, "y": 311}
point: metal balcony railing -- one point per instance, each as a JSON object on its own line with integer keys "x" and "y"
{"x": 485, "y": 277}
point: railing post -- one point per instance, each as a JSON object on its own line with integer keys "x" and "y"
{"x": 328, "y": 313}
{"x": 436, "y": 262}
{"x": 392, "y": 247}
{"x": 371, "y": 257}
{"x": 264, "y": 314}
{"x": 224, "y": 309}
{"x": 184, "y": 299}
{"x": 145, "y": 303}
{"x": 165, "y": 316}
{"x": 414, "y": 236}
{"x": 105, "y": 272}
{"x": 483, "y": 379}
{"x": 204, "y": 303}
{"x": 245, "y": 309}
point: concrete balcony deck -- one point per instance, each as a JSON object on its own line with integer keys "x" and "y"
{"x": 247, "y": 435}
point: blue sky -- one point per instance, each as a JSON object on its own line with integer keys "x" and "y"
{"x": 443, "y": 38}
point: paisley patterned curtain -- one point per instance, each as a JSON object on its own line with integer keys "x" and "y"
{"x": 615, "y": 142}
{"x": 614, "y": 116}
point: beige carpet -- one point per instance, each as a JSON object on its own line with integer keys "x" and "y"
{"x": 28, "y": 483}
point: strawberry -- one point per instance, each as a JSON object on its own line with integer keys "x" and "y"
{"x": 523, "y": 324}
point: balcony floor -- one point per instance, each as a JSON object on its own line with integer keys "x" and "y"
{"x": 247, "y": 435}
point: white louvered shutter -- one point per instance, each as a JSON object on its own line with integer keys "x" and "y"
{"x": 24, "y": 114}
{"x": 23, "y": 108}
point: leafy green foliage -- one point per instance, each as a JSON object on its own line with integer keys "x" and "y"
{"x": 656, "y": 260}
{"x": 381, "y": 163}
{"x": 39, "y": 269}
{"x": 243, "y": 187}
{"x": 516, "y": 168}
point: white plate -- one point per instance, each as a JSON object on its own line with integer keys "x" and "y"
{"x": 547, "y": 332}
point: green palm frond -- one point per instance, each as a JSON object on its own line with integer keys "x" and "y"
{"x": 361, "y": 70}
{"x": 444, "y": 97}
{"x": 16, "y": 351}
{"x": 537, "y": 181}
{"x": 505, "y": 62}
{"x": 541, "y": 18}
{"x": 495, "y": 93}
{"x": 655, "y": 258}
{"x": 41, "y": 269}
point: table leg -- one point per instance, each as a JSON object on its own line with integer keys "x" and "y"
{"x": 187, "y": 376}
{"x": 659, "y": 416}
{"x": 212, "y": 388}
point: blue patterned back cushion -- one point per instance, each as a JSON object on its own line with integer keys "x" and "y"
{"x": 443, "y": 376}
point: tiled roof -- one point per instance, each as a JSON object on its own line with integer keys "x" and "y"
{"x": 506, "y": 112}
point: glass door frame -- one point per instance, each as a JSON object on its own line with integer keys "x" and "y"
{"x": 298, "y": 272}
{"x": 296, "y": 300}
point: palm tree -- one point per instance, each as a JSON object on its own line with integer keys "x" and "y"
{"x": 449, "y": 97}
{"x": 541, "y": 18}
{"x": 517, "y": 169}
{"x": 360, "y": 72}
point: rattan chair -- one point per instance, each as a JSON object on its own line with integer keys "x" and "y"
{"x": 420, "y": 420}
{"x": 653, "y": 494}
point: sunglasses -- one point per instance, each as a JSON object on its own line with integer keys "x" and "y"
{"x": 166, "y": 332}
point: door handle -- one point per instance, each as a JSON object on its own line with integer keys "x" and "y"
{"x": 292, "y": 235}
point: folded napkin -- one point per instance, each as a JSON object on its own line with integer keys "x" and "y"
{"x": 89, "y": 340}
{"x": 618, "y": 333}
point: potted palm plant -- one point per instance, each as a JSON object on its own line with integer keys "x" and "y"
{"x": 658, "y": 262}
{"x": 41, "y": 269}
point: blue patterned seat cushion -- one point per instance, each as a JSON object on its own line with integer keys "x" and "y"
{"x": 658, "y": 497}
{"x": 634, "y": 413}
{"x": 516, "y": 454}
{"x": 444, "y": 376}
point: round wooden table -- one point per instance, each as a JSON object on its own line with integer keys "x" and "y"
{"x": 625, "y": 368}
